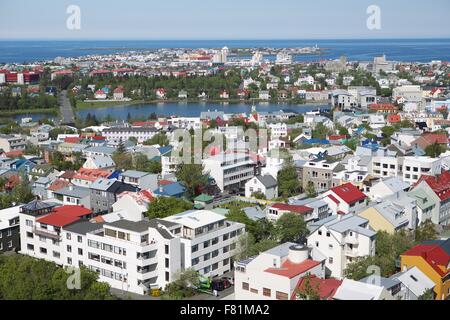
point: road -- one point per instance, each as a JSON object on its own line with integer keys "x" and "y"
{"x": 67, "y": 115}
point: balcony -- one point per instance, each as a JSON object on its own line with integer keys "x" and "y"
{"x": 351, "y": 240}
{"x": 351, "y": 253}
{"x": 47, "y": 233}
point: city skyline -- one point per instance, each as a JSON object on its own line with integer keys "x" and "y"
{"x": 252, "y": 20}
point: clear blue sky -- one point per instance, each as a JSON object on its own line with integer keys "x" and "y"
{"x": 223, "y": 19}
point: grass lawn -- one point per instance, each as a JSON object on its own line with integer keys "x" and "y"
{"x": 104, "y": 104}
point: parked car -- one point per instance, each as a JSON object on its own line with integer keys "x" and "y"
{"x": 229, "y": 279}
{"x": 220, "y": 284}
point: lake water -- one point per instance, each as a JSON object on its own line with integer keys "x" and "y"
{"x": 191, "y": 109}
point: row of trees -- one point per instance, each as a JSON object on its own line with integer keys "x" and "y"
{"x": 9, "y": 102}
{"x": 26, "y": 278}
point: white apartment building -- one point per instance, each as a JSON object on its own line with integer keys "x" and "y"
{"x": 275, "y": 273}
{"x": 342, "y": 239}
{"x": 384, "y": 166}
{"x": 10, "y": 143}
{"x": 142, "y": 134}
{"x": 230, "y": 170}
{"x": 415, "y": 167}
{"x": 208, "y": 241}
{"x": 185, "y": 123}
{"x": 129, "y": 255}
{"x": 278, "y": 130}
{"x": 410, "y": 93}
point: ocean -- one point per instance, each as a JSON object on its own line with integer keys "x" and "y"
{"x": 408, "y": 50}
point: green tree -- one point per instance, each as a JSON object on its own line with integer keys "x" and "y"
{"x": 158, "y": 139}
{"x": 428, "y": 295}
{"x": 183, "y": 286}
{"x": 426, "y": 231}
{"x": 163, "y": 207}
{"x": 191, "y": 176}
{"x": 434, "y": 150}
{"x": 311, "y": 190}
{"x": 288, "y": 182}
{"x": 291, "y": 228}
{"x": 308, "y": 291}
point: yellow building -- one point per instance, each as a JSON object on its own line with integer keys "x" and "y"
{"x": 433, "y": 259}
{"x": 387, "y": 216}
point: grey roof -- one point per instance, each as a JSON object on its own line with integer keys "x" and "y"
{"x": 74, "y": 191}
{"x": 393, "y": 212}
{"x": 101, "y": 149}
{"x": 102, "y": 184}
{"x": 130, "y": 129}
{"x": 387, "y": 283}
{"x": 83, "y": 227}
{"x": 134, "y": 174}
{"x": 348, "y": 222}
{"x": 142, "y": 226}
{"x": 268, "y": 181}
{"x": 254, "y": 213}
{"x": 282, "y": 250}
{"x": 37, "y": 205}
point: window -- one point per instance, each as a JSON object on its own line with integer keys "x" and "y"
{"x": 42, "y": 239}
{"x": 10, "y": 244}
{"x": 281, "y": 296}
{"x": 166, "y": 249}
{"x": 30, "y": 235}
{"x": 43, "y": 250}
{"x": 206, "y": 244}
{"x": 167, "y": 276}
{"x": 30, "y": 247}
{"x": 267, "y": 292}
{"x": 69, "y": 261}
{"x": 245, "y": 286}
{"x": 226, "y": 261}
{"x": 167, "y": 263}
{"x": 330, "y": 260}
{"x": 68, "y": 236}
{"x": 69, "y": 248}
{"x": 80, "y": 239}
{"x": 317, "y": 243}
{"x": 330, "y": 246}
{"x": 56, "y": 254}
{"x": 9, "y": 234}
{"x": 206, "y": 256}
{"x": 195, "y": 248}
{"x": 255, "y": 291}
{"x": 328, "y": 234}
{"x": 195, "y": 261}
{"x": 80, "y": 251}
{"x": 320, "y": 232}
{"x": 215, "y": 266}
{"x": 29, "y": 223}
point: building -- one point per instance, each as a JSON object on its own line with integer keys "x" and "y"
{"x": 9, "y": 229}
{"x": 130, "y": 256}
{"x": 357, "y": 290}
{"x": 415, "y": 167}
{"x": 266, "y": 185}
{"x": 387, "y": 187}
{"x": 104, "y": 193}
{"x": 413, "y": 283}
{"x": 118, "y": 93}
{"x": 408, "y": 93}
{"x": 100, "y": 162}
{"x": 345, "y": 199}
{"x": 135, "y": 204}
{"x": 433, "y": 259}
{"x": 143, "y": 180}
{"x": 142, "y": 134}
{"x": 73, "y": 195}
{"x": 230, "y": 170}
{"x": 208, "y": 241}
{"x": 10, "y": 143}
{"x": 275, "y": 273}
{"x": 275, "y": 211}
{"x": 432, "y": 193}
{"x": 393, "y": 214}
{"x": 342, "y": 239}
{"x": 320, "y": 173}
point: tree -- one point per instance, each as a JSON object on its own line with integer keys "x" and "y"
{"x": 291, "y": 228}
{"x": 123, "y": 161}
{"x": 248, "y": 247}
{"x": 26, "y": 278}
{"x": 191, "y": 176}
{"x": 163, "y": 207}
{"x": 183, "y": 286}
{"x": 259, "y": 195}
{"x": 427, "y": 295}
{"x": 426, "y": 231}
{"x": 321, "y": 131}
{"x": 288, "y": 183}
{"x": 22, "y": 192}
{"x": 263, "y": 229}
{"x": 434, "y": 150}
{"x": 311, "y": 190}
{"x": 154, "y": 167}
{"x": 158, "y": 139}
{"x": 308, "y": 291}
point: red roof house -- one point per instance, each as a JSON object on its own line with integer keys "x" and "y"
{"x": 65, "y": 215}
{"x": 325, "y": 287}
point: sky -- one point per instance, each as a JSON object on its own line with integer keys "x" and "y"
{"x": 222, "y": 19}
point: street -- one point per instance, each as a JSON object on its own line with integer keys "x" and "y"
{"x": 67, "y": 115}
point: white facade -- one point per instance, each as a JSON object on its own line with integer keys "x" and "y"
{"x": 230, "y": 170}
{"x": 208, "y": 241}
{"x": 415, "y": 167}
{"x": 342, "y": 239}
{"x": 256, "y": 185}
